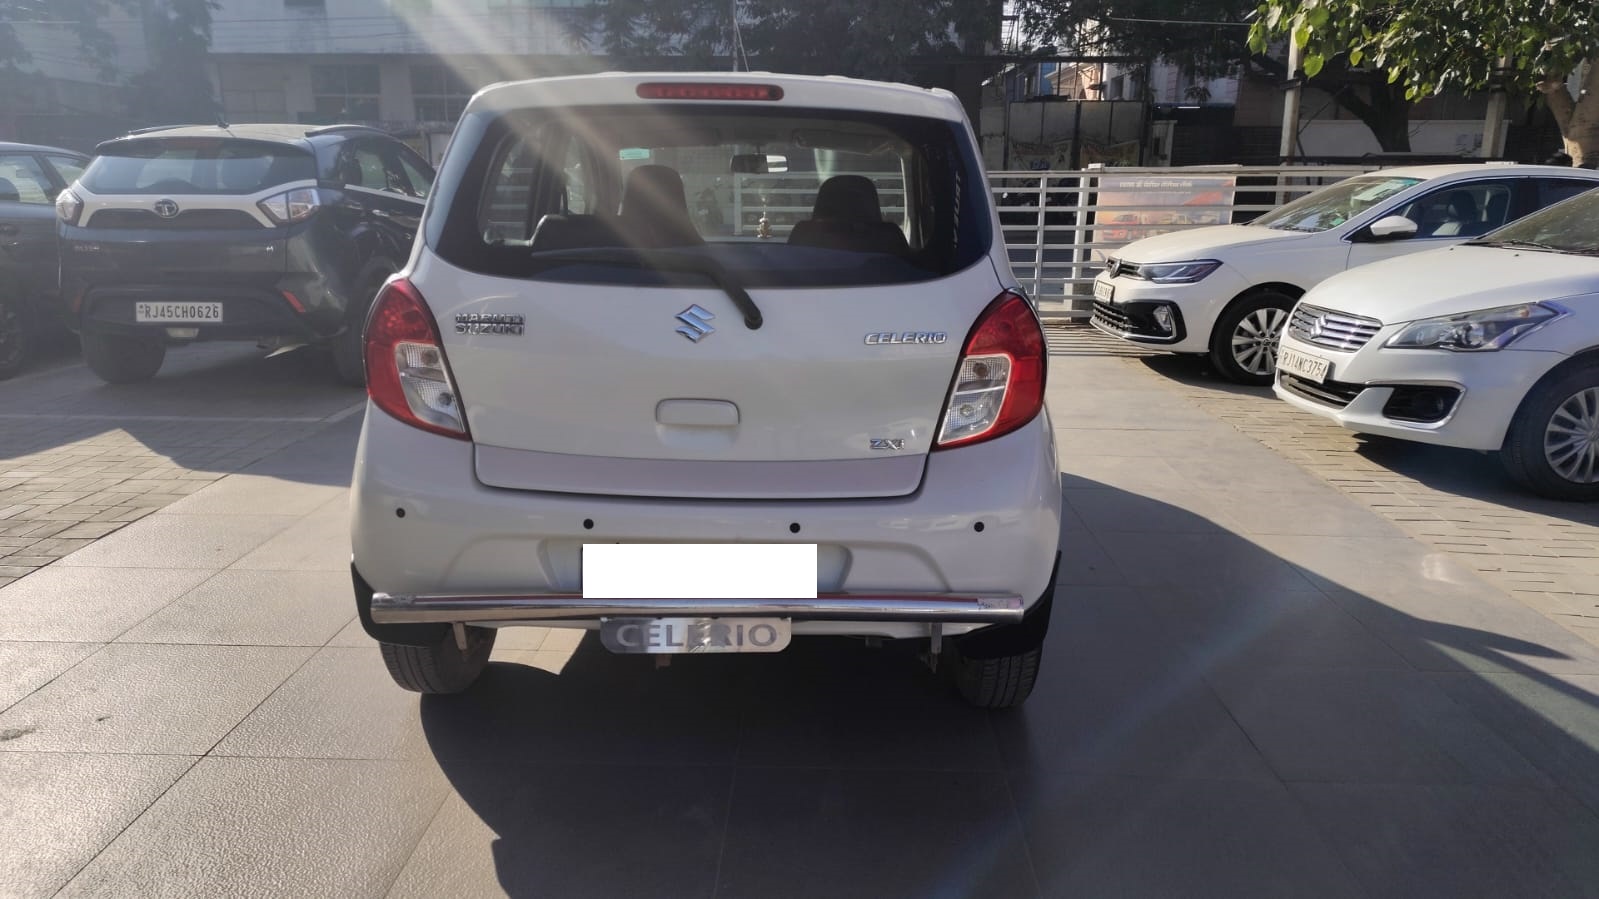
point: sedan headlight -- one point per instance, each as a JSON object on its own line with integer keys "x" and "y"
{"x": 1487, "y": 329}
{"x": 1173, "y": 272}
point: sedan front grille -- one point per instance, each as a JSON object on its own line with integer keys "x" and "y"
{"x": 1336, "y": 394}
{"x": 1333, "y": 330}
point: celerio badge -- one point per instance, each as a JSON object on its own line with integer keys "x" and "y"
{"x": 894, "y": 338}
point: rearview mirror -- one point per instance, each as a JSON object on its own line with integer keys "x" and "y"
{"x": 749, "y": 164}
{"x": 1393, "y": 227}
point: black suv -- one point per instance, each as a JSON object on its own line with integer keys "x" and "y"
{"x": 280, "y": 234}
{"x": 30, "y": 180}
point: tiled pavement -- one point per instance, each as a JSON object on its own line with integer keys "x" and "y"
{"x": 79, "y": 460}
{"x": 1283, "y": 697}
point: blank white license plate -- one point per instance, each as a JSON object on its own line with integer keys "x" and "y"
{"x": 1104, "y": 290}
{"x": 1312, "y": 368}
{"x": 185, "y": 313}
{"x": 699, "y": 571}
{"x": 634, "y": 636}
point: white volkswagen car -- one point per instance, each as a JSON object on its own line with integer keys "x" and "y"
{"x": 1226, "y": 290}
{"x": 1490, "y": 346}
{"x": 707, "y": 362}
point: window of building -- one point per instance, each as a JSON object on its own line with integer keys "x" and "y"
{"x": 346, "y": 93}
{"x": 439, "y": 93}
{"x": 305, "y": 4}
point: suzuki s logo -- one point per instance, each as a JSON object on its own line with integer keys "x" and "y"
{"x": 696, "y": 323}
{"x": 1318, "y": 326}
{"x": 166, "y": 208}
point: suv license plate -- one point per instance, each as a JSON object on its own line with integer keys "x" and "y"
{"x": 1104, "y": 291}
{"x": 636, "y": 636}
{"x": 180, "y": 313}
{"x": 1312, "y": 368}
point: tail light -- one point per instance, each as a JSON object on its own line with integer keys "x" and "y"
{"x": 407, "y": 375}
{"x": 292, "y": 205}
{"x": 1000, "y": 384}
{"x": 68, "y": 207}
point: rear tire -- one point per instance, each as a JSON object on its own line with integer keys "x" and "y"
{"x": 348, "y": 359}
{"x": 1243, "y": 348}
{"x": 123, "y": 360}
{"x": 1552, "y": 447}
{"x": 998, "y": 683}
{"x": 440, "y": 667}
{"x": 14, "y": 337}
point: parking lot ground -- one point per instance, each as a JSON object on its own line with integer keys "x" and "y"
{"x": 1256, "y": 684}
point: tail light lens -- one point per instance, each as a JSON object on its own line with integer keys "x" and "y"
{"x": 1000, "y": 384}
{"x": 407, "y": 375}
{"x": 68, "y": 207}
{"x": 292, "y": 205}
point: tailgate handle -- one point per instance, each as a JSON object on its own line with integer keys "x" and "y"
{"x": 697, "y": 413}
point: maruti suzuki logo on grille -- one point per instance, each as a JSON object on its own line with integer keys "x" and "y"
{"x": 696, "y": 323}
{"x": 1318, "y": 325}
{"x": 166, "y": 208}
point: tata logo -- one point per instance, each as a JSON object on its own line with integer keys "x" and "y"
{"x": 696, "y": 323}
{"x": 166, "y": 208}
{"x": 895, "y": 338}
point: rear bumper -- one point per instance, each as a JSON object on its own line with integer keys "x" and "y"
{"x": 249, "y": 313}
{"x": 993, "y": 608}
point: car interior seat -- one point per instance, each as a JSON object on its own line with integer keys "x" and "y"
{"x": 8, "y": 191}
{"x": 847, "y": 217}
{"x": 654, "y": 210}
{"x": 1463, "y": 216}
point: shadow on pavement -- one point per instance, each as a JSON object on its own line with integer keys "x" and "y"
{"x": 1212, "y": 720}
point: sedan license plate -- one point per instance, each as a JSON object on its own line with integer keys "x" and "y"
{"x": 178, "y": 313}
{"x": 1312, "y": 368}
{"x": 1105, "y": 291}
{"x": 636, "y": 636}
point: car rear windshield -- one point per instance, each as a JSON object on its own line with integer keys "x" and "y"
{"x": 772, "y": 197}
{"x": 196, "y": 166}
{"x": 1332, "y": 206}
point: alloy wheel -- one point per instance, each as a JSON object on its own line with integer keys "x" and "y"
{"x": 1571, "y": 439}
{"x": 1255, "y": 340}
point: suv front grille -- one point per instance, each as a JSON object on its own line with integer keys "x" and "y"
{"x": 1333, "y": 330}
{"x": 1336, "y": 394}
{"x": 187, "y": 220}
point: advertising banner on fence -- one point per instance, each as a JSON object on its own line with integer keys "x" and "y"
{"x": 1129, "y": 207}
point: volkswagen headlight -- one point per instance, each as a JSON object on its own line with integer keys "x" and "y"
{"x": 1487, "y": 329}
{"x": 1176, "y": 272}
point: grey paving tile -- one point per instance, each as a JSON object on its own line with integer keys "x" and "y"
{"x": 1121, "y": 836}
{"x": 253, "y": 494}
{"x": 1178, "y": 559}
{"x": 872, "y": 833}
{"x": 255, "y": 608}
{"x": 1174, "y": 512}
{"x": 239, "y": 827}
{"x": 352, "y": 635}
{"x": 318, "y": 542}
{"x": 61, "y": 809}
{"x": 1308, "y": 512}
{"x": 1246, "y": 467}
{"x": 25, "y": 667}
{"x": 1339, "y": 725}
{"x": 1078, "y": 439}
{"x": 88, "y": 604}
{"x": 1083, "y": 562}
{"x": 1133, "y": 473}
{"x": 181, "y": 541}
{"x": 1405, "y": 840}
{"x": 149, "y": 698}
{"x": 554, "y": 830}
{"x": 340, "y": 704}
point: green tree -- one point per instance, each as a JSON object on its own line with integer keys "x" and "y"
{"x": 1209, "y": 38}
{"x": 862, "y": 38}
{"x": 1427, "y": 46}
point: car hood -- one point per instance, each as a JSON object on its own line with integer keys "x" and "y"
{"x": 1454, "y": 280}
{"x": 1202, "y": 243}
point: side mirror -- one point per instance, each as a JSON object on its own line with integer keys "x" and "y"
{"x": 1393, "y": 227}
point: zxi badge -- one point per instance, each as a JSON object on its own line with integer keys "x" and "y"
{"x": 166, "y": 208}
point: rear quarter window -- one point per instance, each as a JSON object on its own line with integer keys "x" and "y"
{"x": 776, "y": 197}
{"x": 196, "y": 166}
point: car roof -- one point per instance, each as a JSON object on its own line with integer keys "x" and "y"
{"x": 1450, "y": 170}
{"x": 9, "y": 147}
{"x": 297, "y": 134}
{"x": 821, "y": 92}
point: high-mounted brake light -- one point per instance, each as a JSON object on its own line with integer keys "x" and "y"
{"x": 680, "y": 91}
{"x": 1000, "y": 384}
{"x": 407, "y": 375}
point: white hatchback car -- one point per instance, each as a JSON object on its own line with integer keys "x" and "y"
{"x": 814, "y": 387}
{"x": 1226, "y": 290}
{"x": 1490, "y": 346}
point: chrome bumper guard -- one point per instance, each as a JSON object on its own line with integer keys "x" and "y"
{"x": 966, "y": 608}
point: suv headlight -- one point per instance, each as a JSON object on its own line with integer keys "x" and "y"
{"x": 1487, "y": 329}
{"x": 1174, "y": 272}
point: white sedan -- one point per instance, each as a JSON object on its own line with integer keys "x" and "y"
{"x": 1492, "y": 345}
{"x": 1226, "y": 290}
